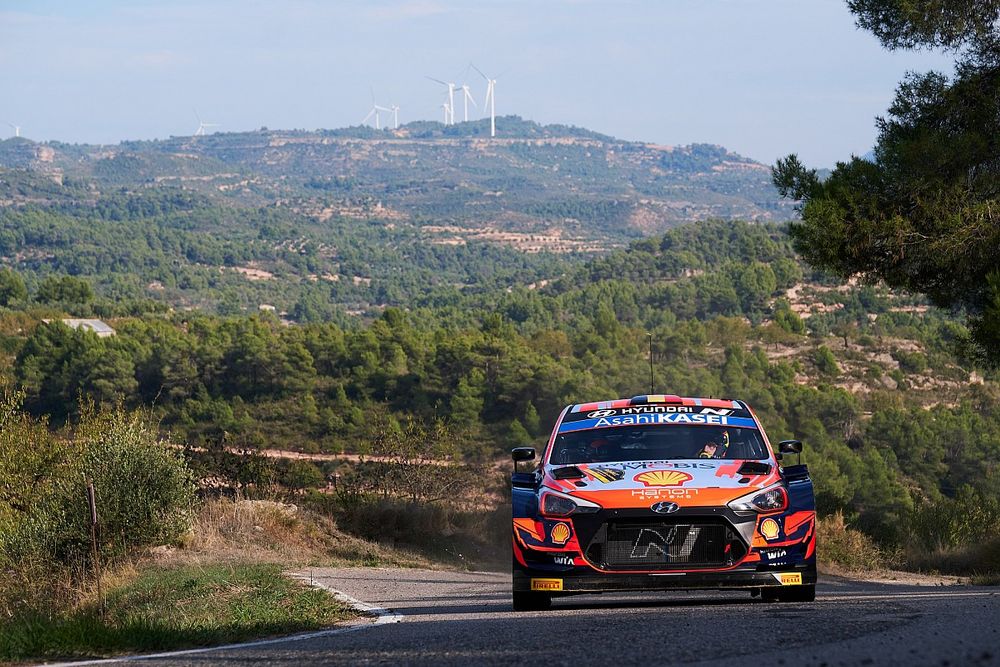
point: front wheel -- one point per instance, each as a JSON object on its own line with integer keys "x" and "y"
{"x": 531, "y": 601}
{"x": 806, "y": 593}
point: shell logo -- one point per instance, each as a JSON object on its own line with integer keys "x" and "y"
{"x": 560, "y": 533}
{"x": 662, "y": 477}
{"x": 769, "y": 529}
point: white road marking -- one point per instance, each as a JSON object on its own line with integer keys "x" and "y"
{"x": 382, "y": 617}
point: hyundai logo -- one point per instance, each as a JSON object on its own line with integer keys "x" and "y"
{"x": 600, "y": 413}
{"x": 664, "y": 507}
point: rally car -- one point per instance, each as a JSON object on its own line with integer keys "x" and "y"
{"x": 661, "y": 492}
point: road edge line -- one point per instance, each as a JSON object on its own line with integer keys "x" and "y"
{"x": 381, "y": 614}
{"x": 382, "y": 617}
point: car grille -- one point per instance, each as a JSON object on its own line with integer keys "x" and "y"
{"x": 656, "y": 543}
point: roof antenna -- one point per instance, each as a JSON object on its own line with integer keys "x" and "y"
{"x": 650, "y": 362}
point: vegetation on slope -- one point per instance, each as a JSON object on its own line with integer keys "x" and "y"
{"x": 921, "y": 214}
{"x": 174, "y": 607}
{"x": 530, "y": 179}
{"x": 894, "y": 417}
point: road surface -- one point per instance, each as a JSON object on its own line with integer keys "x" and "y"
{"x": 448, "y": 618}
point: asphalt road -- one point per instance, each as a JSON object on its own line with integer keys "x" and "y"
{"x": 448, "y": 618}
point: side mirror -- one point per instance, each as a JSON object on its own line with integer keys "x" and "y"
{"x": 790, "y": 447}
{"x": 522, "y": 454}
{"x": 523, "y": 479}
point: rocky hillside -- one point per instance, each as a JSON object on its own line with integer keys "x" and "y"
{"x": 532, "y": 187}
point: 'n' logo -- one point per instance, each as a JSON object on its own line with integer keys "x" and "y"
{"x": 650, "y": 539}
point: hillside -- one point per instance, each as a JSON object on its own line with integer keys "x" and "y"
{"x": 901, "y": 429}
{"x": 569, "y": 184}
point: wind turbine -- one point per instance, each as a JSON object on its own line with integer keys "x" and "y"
{"x": 466, "y": 98}
{"x": 202, "y": 126}
{"x": 450, "y": 119}
{"x": 376, "y": 107}
{"x": 17, "y": 129}
{"x": 489, "y": 100}
{"x": 447, "y": 112}
{"x": 374, "y": 112}
{"x": 395, "y": 116}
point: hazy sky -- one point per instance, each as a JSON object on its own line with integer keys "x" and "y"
{"x": 761, "y": 77}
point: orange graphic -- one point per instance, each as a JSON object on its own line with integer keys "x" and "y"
{"x": 662, "y": 477}
{"x": 794, "y": 521}
{"x": 560, "y": 533}
{"x": 769, "y": 529}
{"x": 529, "y": 527}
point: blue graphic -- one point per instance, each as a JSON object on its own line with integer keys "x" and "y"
{"x": 655, "y": 419}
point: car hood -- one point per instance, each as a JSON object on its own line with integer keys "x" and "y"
{"x": 701, "y": 483}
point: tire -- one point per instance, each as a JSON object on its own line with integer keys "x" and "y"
{"x": 805, "y": 593}
{"x": 769, "y": 594}
{"x": 525, "y": 601}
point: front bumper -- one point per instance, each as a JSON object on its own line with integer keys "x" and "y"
{"x": 586, "y": 580}
{"x": 568, "y": 566}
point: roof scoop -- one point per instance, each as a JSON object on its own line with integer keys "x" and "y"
{"x": 567, "y": 472}
{"x": 754, "y": 468}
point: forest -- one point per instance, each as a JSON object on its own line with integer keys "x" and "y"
{"x": 894, "y": 416}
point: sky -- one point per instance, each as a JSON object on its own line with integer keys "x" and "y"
{"x": 763, "y": 78}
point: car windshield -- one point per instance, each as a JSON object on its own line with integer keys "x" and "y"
{"x": 657, "y": 443}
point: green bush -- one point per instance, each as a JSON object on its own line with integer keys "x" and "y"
{"x": 825, "y": 362}
{"x": 971, "y": 517}
{"x": 144, "y": 490}
{"x": 911, "y": 362}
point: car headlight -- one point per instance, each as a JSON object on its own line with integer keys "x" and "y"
{"x": 554, "y": 503}
{"x": 771, "y": 499}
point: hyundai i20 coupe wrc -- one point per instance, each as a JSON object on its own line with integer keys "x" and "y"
{"x": 660, "y": 492}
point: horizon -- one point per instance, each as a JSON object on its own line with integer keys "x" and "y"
{"x": 388, "y": 131}
{"x": 153, "y": 70}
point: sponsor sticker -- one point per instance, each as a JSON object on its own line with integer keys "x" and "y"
{"x": 650, "y": 465}
{"x": 546, "y": 584}
{"x": 789, "y": 578}
{"x": 562, "y": 560}
{"x": 769, "y": 529}
{"x": 606, "y": 475}
{"x": 662, "y": 478}
{"x": 560, "y": 533}
{"x": 655, "y": 418}
{"x": 664, "y": 493}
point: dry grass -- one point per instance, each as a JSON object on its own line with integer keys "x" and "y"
{"x": 267, "y": 531}
{"x": 980, "y": 561}
{"x": 844, "y": 551}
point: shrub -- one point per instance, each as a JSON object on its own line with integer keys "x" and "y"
{"x": 144, "y": 490}
{"x": 825, "y": 361}
{"x": 971, "y": 517}
{"x": 959, "y": 535}
{"x": 911, "y": 362}
{"x": 846, "y": 548}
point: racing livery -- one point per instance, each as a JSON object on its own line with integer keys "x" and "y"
{"x": 661, "y": 492}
